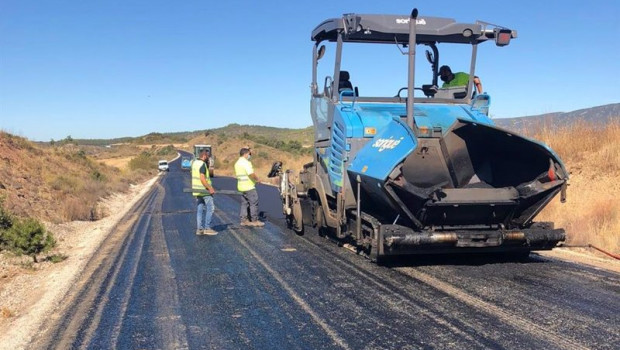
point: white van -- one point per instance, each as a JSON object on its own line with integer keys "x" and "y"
{"x": 163, "y": 165}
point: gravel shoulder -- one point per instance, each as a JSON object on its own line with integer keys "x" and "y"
{"x": 29, "y": 295}
{"x": 583, "y": 256}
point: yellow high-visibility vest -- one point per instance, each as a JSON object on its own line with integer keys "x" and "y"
{"x": 243, "y": 169}
{"x": 196, "y": 183}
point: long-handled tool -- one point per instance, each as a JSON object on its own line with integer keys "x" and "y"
{"x": 189, "y": 190}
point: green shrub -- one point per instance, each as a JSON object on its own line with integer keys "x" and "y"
{"x": 144, "y": 161}
{"x": 6, "y": 218}
{"x": 292, "y": 146}
{"x": 168, "y": 150}
{"x": 68, "y": 141}
{"x": 29, "y": 237}
{"x": 56, "y": 258}
{"x": 98, "y": 176}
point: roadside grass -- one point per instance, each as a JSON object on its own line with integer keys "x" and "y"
{"x": 591, "y": 214}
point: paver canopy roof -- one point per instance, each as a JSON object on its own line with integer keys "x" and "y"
{"x": 395, "y": 28}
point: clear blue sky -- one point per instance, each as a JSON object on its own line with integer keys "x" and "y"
{"x": 105, "y": 69}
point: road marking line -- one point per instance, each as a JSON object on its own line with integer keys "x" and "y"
{"x": 300, "y": 301}
{"x": 525, "y": 325}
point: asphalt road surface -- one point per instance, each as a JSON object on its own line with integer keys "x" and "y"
{"x": 156, "y": 285}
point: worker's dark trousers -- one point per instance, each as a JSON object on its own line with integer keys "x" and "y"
{"x": 249, "y": 199}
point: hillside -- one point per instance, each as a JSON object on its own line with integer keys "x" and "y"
{"x": 596, "y": 116}
{"x": 269, "y": 144}
{"x": 64, "y": 182}
{"x": 588, "y": 142}
{"x": 305, "y": 135}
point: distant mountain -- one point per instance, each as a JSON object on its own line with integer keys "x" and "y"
{"x": 304, "y": 136}
{"x": 595, "y": 116}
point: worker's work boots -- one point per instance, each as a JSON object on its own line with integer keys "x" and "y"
{"x": 209, "y": 232}
{"x": 257, "y": 223}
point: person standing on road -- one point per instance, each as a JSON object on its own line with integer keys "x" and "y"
{"x": 204, "y": 199}
{"x": 246, "y": 184}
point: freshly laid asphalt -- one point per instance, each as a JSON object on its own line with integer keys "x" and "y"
{"x": 156, "y": 285}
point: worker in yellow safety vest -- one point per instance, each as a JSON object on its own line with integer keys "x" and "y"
{"x": 203, "y": 191}
{"x": 246, "y": 184}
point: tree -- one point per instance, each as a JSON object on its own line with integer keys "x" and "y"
{"x": 6, "y": 218}
{"x": 28, "y": 237}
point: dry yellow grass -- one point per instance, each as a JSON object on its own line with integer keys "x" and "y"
{"x": 176, "y": 145}
{"x": 120, "y": 163}
{"x": 591, "y": 214}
